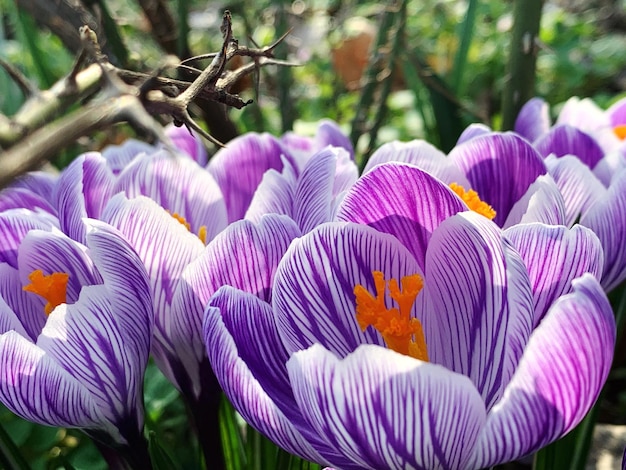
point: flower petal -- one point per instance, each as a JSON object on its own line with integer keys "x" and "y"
{"x": 402, "y": 200}
{"x": 578, "y": 185}
{"x": 14, "y": 225}
{"x": 479, "y": 298}
{"x": 8, "y": 320}
{"x": 473, "y": 130}
{"x": 184, "y": 139}
{"x": 314, "y": 296}
{"x": 22, "y": 198}
{"x": 82, "y": 190}
{"x": 564, "y": 366}
{"x": 275, "y": 195}
{"x": 384, "y": 410}
{"x": 554, "y": 257}
{"x": 421, "y": 154}
{"x": 28, "y": 308}
{"x": 55, "y": 252}
{"x": 606, "y": 219}
{"x": 567, "y": 140}
{"x": 500, "y": 168}
{"x": 180, "y": 186}
{"x": 246, "y": 394}
{"x": 542, "y": 202}
{"x": 119, "y": 157}
{"x": 239, "y": 168}
{"x": 34, "y": 387}
{"x": 244, "y": 256}
{"x": 533, "y": 119}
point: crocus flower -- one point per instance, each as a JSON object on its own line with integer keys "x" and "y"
{"x": 75, "y": 330}
{"x": 417, "y": 334}
{"x": 502, "y": 169}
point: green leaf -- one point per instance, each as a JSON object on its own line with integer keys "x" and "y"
{"x": 160, "y": 459}
{"x": 232, "y": 439}
{"x": 10, "y": 456}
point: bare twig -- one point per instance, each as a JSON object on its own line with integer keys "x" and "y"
{"x": 30, "y": 138}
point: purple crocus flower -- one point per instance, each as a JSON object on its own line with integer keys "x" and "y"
{"x": 503, "y": 169}
{"x": 416, "y": 334}
{"x": 75, "y": 330}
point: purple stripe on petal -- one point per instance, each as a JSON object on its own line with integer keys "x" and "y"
{"x": 567, "y": 140}
{"x": 8, "y": 319}
{"x": 314, "y": 296}
{"x": 401, "y": 200}
{"x": 14, "y": 225}
{"x": 384, "y": 410}
{"x": 542, "y": 202}
{"x": 606, "y": 219}
{"x": 533, "y": 119}
{"x": 245, "y": 392}
{"x": 119, "y": 157}
{"x": 239, "y": 168}
{"x": 565, "y": 364}
{"x": 33, "y": 386}
{"x": 479, "y": 302}
{"x": 500, "y": 168}
{"x": 187, "y": 141}
{"x": 83, "y": 189}
{"x": 554, "y": 257}
{"x": 40, "y": 183}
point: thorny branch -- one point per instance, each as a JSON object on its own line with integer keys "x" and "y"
{"x": 108, "y": 95}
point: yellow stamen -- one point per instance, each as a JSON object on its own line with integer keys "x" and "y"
{"x": 52, "y": 288}
{"x": 201, "y": 232}
{"x": 401, "y": 332}
{"x": 470, "y": 197}
{"x": 620, "y": 131}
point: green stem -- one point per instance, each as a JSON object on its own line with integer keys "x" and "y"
{"x": 520, "y": 74}
{"x": 467, "y": 32}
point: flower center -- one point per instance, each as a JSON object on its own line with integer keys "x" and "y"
{"x": 52, "y": 288}
{"x": 470, "y": 197}
{"x": 620, "y": 131}
{"x": 401, "y": 332}
{"x": 201, "y": 233}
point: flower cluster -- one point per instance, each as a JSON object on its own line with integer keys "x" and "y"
{"x": 437, "y": 311}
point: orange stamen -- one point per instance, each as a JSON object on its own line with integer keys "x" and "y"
{"x": 401, "y": 332}
{"x": 201, "y": 232}
{"x": 52, "y": 288}
{"x": 620, "y": 131}
{"x": 474, "y": 202}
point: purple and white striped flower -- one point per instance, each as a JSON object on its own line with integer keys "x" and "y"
{"x": 504, "y": 170}
{"x": 416, "y": 334}
{"x": 75, "y": 330}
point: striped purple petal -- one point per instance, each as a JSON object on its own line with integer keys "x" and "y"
{"x": 533, "y": 119}
{"x": 607, "y": 221}
{"x": 28, "y": 308}
{"x": 14, "y": 225}
{"x": 35, "y": 387}
{"x": 564, "y": 139}
{"x": 543, "y": 202}
{"x": 402, "y": 200}
{"x": 479, "y": 303}
{"x": 473, "y": 130}
{"x": 421, "y": 154}
{"x": 244, "y": 256}
{"x": 82, "y": 190}
{"x": 578, "y": 185}
{"x": 554, "y": 257}
{"x": 119, "y": 157}
{"x": 381, "y": 409}
{"x": 275, "y": 195}
{"x": 244, "y": 391}
{"x": 179, "y": 185}
{"x": 329, "y": 133}
{"x": 8, "y": 319}
{"x": 40, "y": 183}
{"x": 239, "y": 168}
{"x": 565, "y": 364}
{"x": 187, "y": 141}
{"x": 55, "y": 252}
{"x": 314, "y": 299}
{"x": 500, "y": 168}
{"x": 17, "y": 198}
